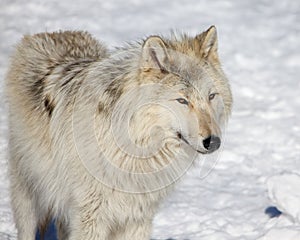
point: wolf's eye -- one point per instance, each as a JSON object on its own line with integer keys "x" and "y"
{"x": 182, "y": 101}
{"x": 212, "y": 96}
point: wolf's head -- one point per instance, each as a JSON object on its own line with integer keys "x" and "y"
{"x": 162, "y": 103}
{"x": 183, "y": 93}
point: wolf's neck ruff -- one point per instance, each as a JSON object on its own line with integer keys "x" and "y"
{"x": 129, "y": 166}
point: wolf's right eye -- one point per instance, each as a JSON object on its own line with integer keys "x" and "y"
{"x": 212, "y": 96}
{"x": 182, "y": 101}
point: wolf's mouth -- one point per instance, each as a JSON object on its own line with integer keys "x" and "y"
{"x": 180, "y": 136}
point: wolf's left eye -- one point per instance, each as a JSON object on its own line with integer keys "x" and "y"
{"x": 182, "y": 101}
{"x": 212, "y": 96}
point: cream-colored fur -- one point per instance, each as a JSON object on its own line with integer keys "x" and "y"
{"x": 97, "y": 138}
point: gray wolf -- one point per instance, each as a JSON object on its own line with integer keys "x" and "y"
{"x": 98, "y": 137}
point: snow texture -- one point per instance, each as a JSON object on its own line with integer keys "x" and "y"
{"x": 284, "y": 191}
{"x": 259, "y": 44}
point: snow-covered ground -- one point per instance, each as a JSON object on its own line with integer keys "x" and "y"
{"x": 259, "y": 42}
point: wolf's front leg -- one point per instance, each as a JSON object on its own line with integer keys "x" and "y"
{"x": 62, "y": 229}
{"x": 88, "y": 229}
{"x": 23, "y": 209}
{"x": 93, "y": 232}
{"x": 134, "y": 231}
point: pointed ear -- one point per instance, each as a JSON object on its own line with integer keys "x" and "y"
{"x": 208, "y": 43}
{"x": 154, "y": 54}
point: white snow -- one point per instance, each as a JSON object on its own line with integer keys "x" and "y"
{"x": 284, "y": 191}
{"x": 282, "y": 233}
{"x": 259, "y": 44}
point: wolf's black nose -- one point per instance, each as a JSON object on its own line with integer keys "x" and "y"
{"x": 212, "y": 143}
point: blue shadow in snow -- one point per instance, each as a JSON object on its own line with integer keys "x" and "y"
{"x": 272, "y": 212}
{"x": 50, "y": 233}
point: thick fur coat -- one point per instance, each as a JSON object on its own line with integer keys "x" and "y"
{"x": 98, "y": 137}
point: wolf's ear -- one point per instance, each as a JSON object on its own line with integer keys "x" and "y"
{"x": 208, "y": 43}
{"x": 154, "y": 54}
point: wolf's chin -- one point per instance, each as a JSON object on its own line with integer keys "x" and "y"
{"x": 181, "y": 137}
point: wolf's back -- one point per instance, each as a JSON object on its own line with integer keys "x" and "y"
{"x": 36, "y": 55}
{"x": 39, "y": 56}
